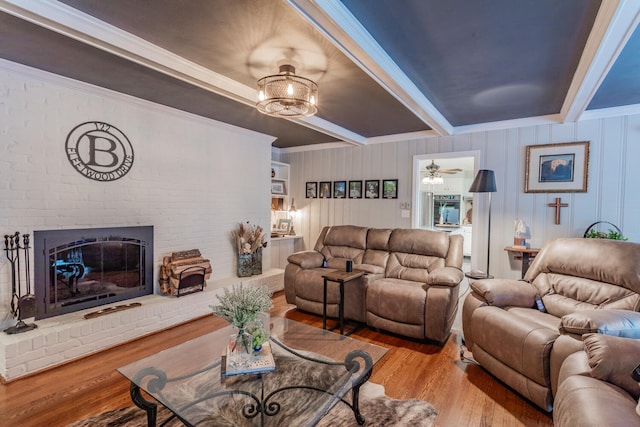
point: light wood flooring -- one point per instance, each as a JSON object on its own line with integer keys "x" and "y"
{"x": 463, "y": 393}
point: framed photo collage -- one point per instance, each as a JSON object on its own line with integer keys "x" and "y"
{"x": 367, "y": 189}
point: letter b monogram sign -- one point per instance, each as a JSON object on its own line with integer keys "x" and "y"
{"x": 99, "y": 151}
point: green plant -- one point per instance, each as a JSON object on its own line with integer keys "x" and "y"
{"x": 258, "y": 333}
{"x": 241, "y": 305}
{"x": 612, "y": 235}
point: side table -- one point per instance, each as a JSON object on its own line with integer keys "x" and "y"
{"x": 527, "y": 254}
{"x": 340, "y": 277}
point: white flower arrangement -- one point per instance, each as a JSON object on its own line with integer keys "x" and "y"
{"x": 241, "y": 305}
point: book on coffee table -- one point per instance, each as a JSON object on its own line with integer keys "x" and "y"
{"x": 260, "y": 362}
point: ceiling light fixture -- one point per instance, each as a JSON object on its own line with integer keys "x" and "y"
{"x": 432, "y": 179}
{"x": 287, "y": 95}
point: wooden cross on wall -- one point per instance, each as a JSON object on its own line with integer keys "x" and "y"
{"x": 558, "y": 205}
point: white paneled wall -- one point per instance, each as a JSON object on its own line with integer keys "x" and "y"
{"x": 193, "y": 179}
{"x": 613, "y": 186}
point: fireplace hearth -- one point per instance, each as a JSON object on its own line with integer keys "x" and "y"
{"x": 83, "y": 268}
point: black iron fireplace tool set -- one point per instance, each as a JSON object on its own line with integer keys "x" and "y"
{"x": 22, "y": 306}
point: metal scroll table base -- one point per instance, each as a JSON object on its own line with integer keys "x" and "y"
{"x": 263, "y": 405}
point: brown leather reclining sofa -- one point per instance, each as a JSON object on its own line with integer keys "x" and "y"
{"x": 586, "y": 286}
{"x": 411, "y": 280}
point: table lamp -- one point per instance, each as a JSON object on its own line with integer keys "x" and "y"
{"x": 292, "y": 211}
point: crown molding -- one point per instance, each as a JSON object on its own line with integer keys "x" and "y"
{"x": 509, "y": 124}
{"x": 314, "y": 147}
{"x": 603, "y": 113}
{"x": 400, "y": 137}
{"x": 614, "y": 24}
{"x": 89, "y": 89}
{"x": 87, "y": 29}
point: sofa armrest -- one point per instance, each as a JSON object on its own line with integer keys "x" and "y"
{"x": 445, "y": 276}
{"x": 612, "y": 359}
{"x": 619, "y": 323}
{"x": 505, "y": 292}
{"x": 306, "y": 259}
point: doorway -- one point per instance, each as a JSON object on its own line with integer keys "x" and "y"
{"x": 441, "y": 198}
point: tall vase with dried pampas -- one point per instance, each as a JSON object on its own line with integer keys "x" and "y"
{"x": 249, "y": 240}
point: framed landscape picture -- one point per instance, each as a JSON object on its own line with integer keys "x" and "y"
{"x": 372, "y": 189}
{"x": 339, "y": 189}
{"x": 312, "y": 190}
{"x": 325, "y": 190}
{"x": 390, "y": 188}
{"x": 557, "y": 168}
{"x": 355, "y": 189}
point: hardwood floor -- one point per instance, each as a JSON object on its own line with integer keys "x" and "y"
{"x": 463, "y": 393}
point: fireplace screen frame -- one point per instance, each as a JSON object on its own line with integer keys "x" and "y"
{"x": 49, "y": 243}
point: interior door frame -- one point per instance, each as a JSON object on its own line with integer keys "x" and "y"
{"x": 417, "y": 158}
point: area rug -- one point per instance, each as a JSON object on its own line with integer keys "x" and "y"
{"x": 377, "y": 408}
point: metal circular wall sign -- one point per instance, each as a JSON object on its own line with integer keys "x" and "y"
{"x": 99, "y": 151}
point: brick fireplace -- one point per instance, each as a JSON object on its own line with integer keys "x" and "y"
{"x": 185, "y": 181}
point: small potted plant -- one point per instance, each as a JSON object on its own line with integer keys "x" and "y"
{"x": 241, "y": 307}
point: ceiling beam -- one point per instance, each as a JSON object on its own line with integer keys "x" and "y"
{"x": 614, "y": 24}
{"x": 335, "y": 21}
{"x": 87, "y": 29}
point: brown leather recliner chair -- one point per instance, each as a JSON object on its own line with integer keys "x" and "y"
{"x": 585, "y": 285}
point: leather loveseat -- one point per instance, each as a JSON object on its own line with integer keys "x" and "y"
{"x": 596, "y": 387}
{"x": 411, "y": 280}
{"x": 585, "y": 286}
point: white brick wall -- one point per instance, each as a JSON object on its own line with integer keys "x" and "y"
{"x": 193, "y": 179}
{"x": 70, "y": 336}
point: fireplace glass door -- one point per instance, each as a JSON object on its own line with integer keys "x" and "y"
{"x": 79, "y": 269}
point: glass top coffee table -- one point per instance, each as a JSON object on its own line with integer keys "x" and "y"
{"x": 315, "y": 370}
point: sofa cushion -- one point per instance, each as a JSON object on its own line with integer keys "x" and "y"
{"x": 398, "y": 300}
{"x": 375, "y": 257}
{"x": 563, "y": 294}
{"x": 612, "y": 359}
{"x": 520, "y": 339}
{"x": 572, "y": 257}
{"x": 342, "y": 243}
{"x": 378, "y": 239}
{"x": 423, "y": 242}
{"x": 347, "y": 235}
{"x": 411, "y": 266}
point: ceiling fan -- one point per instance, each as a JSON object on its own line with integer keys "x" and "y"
{"x": 433, "y": 170}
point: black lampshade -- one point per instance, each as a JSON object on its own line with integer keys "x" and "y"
{"x": 484, "y": 182}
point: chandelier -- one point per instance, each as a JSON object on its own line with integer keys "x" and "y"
{"x": 287, "y": 95}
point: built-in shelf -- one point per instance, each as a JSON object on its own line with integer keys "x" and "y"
{"x": 280, "y": 191}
